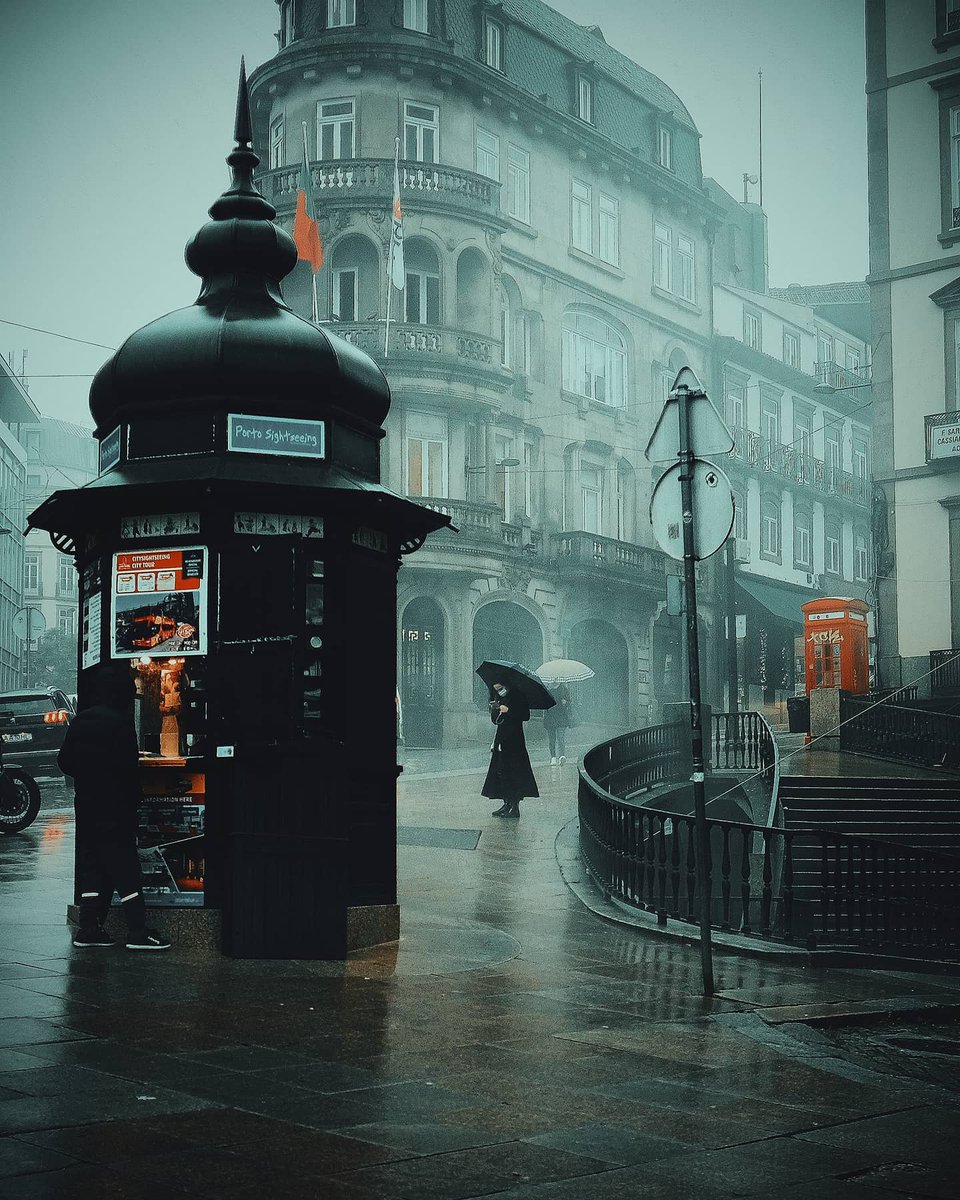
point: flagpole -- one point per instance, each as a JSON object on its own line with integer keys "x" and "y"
{"x": 386, "y": 328}
{"x": 313, "y": 275}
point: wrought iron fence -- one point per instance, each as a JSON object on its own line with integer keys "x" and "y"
{"x": 945, "y": 672}
{"x": 914, "y": 735}
{"x": 791, "y": 885}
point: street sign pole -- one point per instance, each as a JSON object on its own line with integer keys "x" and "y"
{"x": 693, "y": 662}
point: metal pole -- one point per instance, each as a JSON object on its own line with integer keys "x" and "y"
{"x": 693, "y": 662}
{"x": 733, "y": 673}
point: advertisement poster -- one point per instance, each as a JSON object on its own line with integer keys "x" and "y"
{"x": 159, "y": 602}
{"x": 90, "y": 634}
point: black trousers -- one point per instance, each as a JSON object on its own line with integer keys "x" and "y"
{"x": 108, "y": 862}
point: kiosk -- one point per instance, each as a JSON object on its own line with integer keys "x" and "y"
{"x": 239, "y": 553}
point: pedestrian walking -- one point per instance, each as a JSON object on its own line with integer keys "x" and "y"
{"x": 556, "y": 721}
{"x": 510, "y": 776}
{"x": 100, "y": 753}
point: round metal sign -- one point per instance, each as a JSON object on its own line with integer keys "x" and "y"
{"x": 29, "y": 622}
{"x": 712, "y": 510}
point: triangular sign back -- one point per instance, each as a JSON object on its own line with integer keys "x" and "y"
{"x": 709, "y": 433}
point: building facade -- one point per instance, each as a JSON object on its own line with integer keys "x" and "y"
{"x": 913, "y": 123}
{"x": 557, "y": 247}
{"x": 18, "y": 415}
{"x": 60, "y": 455}
{"x": 795, "y": 392}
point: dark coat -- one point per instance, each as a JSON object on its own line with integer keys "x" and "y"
{"x": 558, "y": 717}
{"x": 100, "y": 753}
{"x": 510, "y": 776}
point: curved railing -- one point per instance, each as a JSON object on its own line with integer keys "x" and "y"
{"x": 790, "y": 885}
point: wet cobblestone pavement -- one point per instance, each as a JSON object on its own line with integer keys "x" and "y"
{"x": 511, "y": 1044}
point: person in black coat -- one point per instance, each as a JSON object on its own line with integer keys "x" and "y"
{"x": 510, "y": 776}
{"x": 100, "y": 752}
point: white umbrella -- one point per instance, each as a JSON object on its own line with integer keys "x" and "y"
{"x": 564, "y": 670}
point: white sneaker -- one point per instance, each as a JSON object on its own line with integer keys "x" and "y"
{"x": 563, "y": 759}
{"x": 553, "y": 762}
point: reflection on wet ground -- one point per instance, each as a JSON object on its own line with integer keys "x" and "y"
{"x": 510, "y": 1043}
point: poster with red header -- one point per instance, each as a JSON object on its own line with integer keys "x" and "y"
{"x": 159, "y": 602}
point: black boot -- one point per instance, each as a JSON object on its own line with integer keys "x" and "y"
{"x": 503, "y": 811}
{"x": 513, "y": 809}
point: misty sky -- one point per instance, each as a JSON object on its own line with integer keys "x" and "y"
{"x": 115, "y": 118}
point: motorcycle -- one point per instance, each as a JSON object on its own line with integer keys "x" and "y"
{"x": 19, "y": 799}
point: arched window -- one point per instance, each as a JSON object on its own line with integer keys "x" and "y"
{"x": 861, "y": 555}
{"x": 832, "y": 546}
{"x": 421, "y": 295}
{"x": 355, "y": 280}
{"x": 803, "y": 537}
{"x": 593, "y": 360}
{"x": 770, "y": 526}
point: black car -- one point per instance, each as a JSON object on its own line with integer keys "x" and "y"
{"x": 32, "y": 728}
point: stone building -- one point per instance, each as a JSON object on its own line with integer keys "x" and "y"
{"x": 791, "y": 370}
{"x": 913, "y": 143}
{"x": 18, "y": 413}
{"x": 557, "y": 242}
{"x": 60, "y": 455}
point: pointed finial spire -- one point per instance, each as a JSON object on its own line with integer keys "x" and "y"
{"x": 242, "y": 129}
{"x": 242, "y": 199}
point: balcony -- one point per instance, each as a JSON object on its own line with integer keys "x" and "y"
{"x": 481, "y": 526}
{"x": 368, "y": 182}
{"x": 789, "y": 464}
{"x": 576, "y": 552}
{"x": 831, "y": 377}
{"x": 424, "y": 342}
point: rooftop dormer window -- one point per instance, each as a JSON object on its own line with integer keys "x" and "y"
{"x": 585, "y": 98}
{"x": 341, "y": 13}
{"x": 285, "y": 35}
{"x": 493, "y": 44}
{"x": 416, "y": 15}
{"x": 665, "y": 147}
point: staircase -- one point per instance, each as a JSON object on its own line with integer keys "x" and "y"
{"x": 918, "y": 813}
{"x": 924, "y": 813}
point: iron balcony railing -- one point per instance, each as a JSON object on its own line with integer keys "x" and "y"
{"x": 789, "y": 885}
{"x": 369, "y": 181}
{"x": 791, "y": 464}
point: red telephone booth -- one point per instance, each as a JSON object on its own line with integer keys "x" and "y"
{"x": 835, "y": 644}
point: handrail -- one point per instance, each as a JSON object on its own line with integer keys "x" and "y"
{"x": 855, "y": 890}
{"x": 915, "y": 735}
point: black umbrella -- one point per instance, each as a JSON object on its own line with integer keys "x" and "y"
{"x": 514, "y": 675}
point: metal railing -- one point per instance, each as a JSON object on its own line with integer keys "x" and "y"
{"x": 834, "y": 376}
{"x": 914, "y": 735}
{"x": 788, "y": 462}
{"x": 365, "y": 180}
{"x": 945, "y": 672}
{"x": 790, "y": 885}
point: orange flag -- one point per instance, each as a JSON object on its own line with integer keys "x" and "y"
{"x": 306, "y": 231}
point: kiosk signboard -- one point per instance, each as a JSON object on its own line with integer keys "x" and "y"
{"x": 159, "y": 602}
{"x": 276, "y": 435}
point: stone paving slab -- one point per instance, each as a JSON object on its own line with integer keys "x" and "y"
{"x": 511, "y": 1044}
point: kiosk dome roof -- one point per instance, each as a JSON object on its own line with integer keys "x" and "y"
{"x": 239, "y": 344}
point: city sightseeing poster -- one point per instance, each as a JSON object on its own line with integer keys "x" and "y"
{"x": 159, "y": 602}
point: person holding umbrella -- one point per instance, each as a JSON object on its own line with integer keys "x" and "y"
{"x": 513, "y": 691}
{"x": 556, "y": 674}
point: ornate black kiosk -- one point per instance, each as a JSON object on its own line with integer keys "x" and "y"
{"x": 238, "y": 551}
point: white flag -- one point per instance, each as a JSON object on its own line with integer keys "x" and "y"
{"x": 397, "y": 272}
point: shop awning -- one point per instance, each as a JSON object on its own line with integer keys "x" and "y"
{"x": 780, "y": 600}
